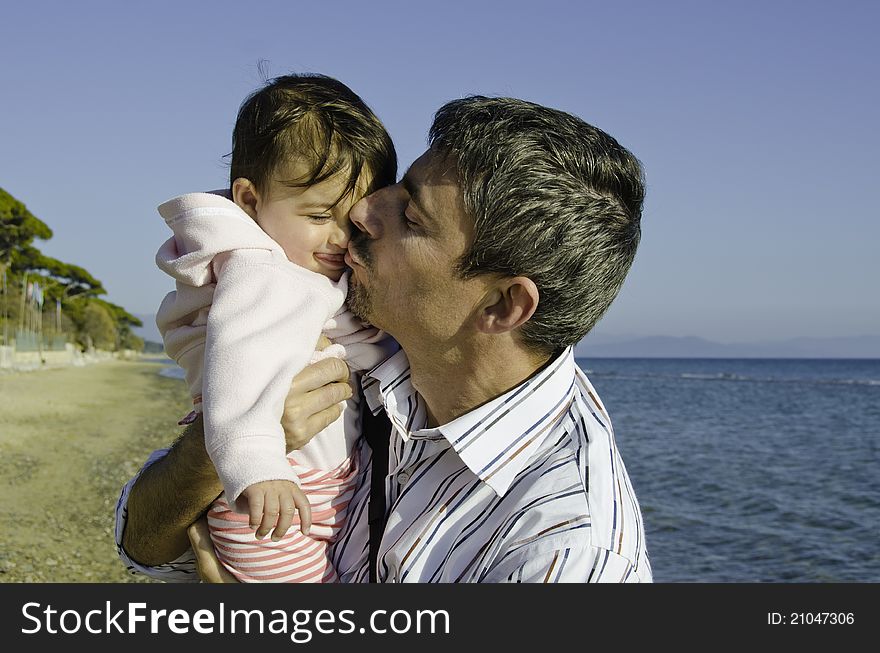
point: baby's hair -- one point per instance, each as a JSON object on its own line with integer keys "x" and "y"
{"x": 315, "y": 120}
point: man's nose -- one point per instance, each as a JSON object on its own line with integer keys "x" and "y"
{"x": 365, "y": 215}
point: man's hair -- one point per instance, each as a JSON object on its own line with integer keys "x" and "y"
{"x": 553, "y": 199}
{"x": 317, "y": 121}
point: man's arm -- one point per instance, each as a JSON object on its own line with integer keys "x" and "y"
{"x": 167, "y": 497}
{"x": 174, "y": 491}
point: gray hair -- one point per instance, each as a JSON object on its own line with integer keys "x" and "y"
{"x": 553, "y": 199}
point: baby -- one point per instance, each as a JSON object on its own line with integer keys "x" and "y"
{"x": 260, "y": 275}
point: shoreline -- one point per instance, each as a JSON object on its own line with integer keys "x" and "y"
{"x": 70, "y": 437}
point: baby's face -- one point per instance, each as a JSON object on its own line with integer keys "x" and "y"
{"x": 301, "y": 220}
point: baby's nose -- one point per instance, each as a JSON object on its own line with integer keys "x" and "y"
{"x": 341, "y": 234}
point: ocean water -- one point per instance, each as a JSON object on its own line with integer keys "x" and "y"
{"x": 751, "y": 470}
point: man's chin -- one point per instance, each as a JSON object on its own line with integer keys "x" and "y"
{"x": 358, "y": 300}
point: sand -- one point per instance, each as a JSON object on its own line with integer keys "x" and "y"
{"x": 69, "y": 439}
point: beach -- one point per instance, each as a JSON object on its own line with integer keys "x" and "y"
{"x": 69, "y": 439}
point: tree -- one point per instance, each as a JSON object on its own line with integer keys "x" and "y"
{"x": 18, "y": 227}
{"x": 63, "y": 280}
{"x": 119, "y": 314}
{"x": 71, "y": 285}
{"x": 124, "y": 321}
{"x": 98, "y": 327}
{"x": 131, "y": 341}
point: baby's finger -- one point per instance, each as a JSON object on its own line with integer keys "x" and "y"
{"x": 270, "y": 515}
{"x": 255, "y": 507}
{"x": 305, "y": 510}
{"x": 287, "y": 509}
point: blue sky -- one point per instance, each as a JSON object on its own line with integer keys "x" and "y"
{"x": 756, "y": 123}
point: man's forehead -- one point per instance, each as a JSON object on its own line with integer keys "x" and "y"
{"x": 433, "y": 167}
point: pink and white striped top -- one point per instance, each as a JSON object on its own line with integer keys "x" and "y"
{"x": 295, "y": 558}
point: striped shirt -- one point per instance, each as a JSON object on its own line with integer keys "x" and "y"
{"x": 529, "y": 487}
{"x": 295, "y": 558}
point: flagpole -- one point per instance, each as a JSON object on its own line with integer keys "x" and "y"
{"x": 5, "y": 310}
{"x": 23, "y": 302}
{"x": 39, "y": 302}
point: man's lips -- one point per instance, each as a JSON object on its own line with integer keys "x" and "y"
{"x": 351, "y": 260}
{"x": 331, "y": 260}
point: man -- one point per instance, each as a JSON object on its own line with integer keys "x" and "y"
{"x": 499, "y": 250}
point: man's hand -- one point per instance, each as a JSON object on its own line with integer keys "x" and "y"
{"x": 207, "y": 564}
{"x": 272, "y": 504}
{"x": 315, "y": 401}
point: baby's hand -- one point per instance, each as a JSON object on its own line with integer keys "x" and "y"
{"x": 273, "y": 503}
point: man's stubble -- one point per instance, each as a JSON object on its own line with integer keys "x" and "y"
{"x": 359, "y": 298}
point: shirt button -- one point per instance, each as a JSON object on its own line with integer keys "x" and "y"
{"x": 403, "y": 478}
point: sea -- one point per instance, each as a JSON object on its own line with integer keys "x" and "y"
{"x": 749, "y": 470}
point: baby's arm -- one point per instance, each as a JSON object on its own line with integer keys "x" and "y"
{"x": 262, "y": 328}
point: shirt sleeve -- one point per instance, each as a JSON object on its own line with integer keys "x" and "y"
{"x": 262, "y": 329}
{"x": 573, "y": 564}
{"x": 181, "y": 570}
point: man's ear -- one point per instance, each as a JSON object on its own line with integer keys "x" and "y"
{"x": 508, "y": 305}
{"x": 245, "y": 194}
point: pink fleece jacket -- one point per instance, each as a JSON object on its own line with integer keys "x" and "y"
{"x": 243, "y": 321}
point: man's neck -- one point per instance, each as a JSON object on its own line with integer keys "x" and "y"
{"x": 463, "y": 378}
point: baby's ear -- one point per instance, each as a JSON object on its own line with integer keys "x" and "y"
{"x": 245, "y": 194}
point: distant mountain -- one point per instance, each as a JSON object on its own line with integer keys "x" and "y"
{"x": 695, "y": 347}
{"x": 603, "y": 345}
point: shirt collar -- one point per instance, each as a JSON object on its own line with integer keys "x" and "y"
{"x": 389, "y": 385}
{"x": 494, "y": 440}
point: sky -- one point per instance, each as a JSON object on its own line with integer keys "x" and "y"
{"x": 755, "y": 121}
